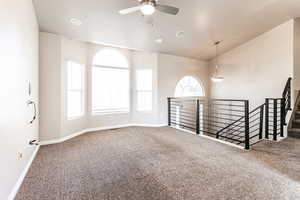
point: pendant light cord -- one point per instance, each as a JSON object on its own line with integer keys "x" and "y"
{"x": 217, "y": 55}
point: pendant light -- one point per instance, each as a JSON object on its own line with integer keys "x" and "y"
{"x": 216, "y": 76}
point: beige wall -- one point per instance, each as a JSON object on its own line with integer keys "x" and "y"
{"x": 172, "y": 69}
{"x": 19, "y": 65}
{"x": 258, "y": 68}
{"x": 297, "y": 54}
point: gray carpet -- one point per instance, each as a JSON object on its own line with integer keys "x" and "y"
{"x": 161, "y": 164}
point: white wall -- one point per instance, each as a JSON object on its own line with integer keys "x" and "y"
{"x": 50, "y": 85}
{"x": 76, "y": 51}
{"x": 167, "y": 71}
{"x": 258, "y": 68}
{"x": 144, "y": 60}
{"x": 19, "y": 65}
{"x": 171, "y": 69}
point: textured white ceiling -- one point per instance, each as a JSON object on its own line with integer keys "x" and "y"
{"x": 203, "y": 21}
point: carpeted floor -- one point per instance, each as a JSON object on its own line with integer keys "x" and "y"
{"x": 162, "y": 164}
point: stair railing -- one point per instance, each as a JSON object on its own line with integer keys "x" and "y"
{"x": 183, "y": 112}
{"x": 230, "y": 119}
{"x": 254, "y": 134}
{"x": 237, "y": 132}
{"x": 276, "y": 112}
{"x": 256, "y": 124}
{"x": 275, "y": 118}
{"x": 287, "y": 96}
{"x": 224, "y": 119}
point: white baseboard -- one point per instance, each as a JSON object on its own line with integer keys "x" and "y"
{"x": 62, "y": 139}
{"x": 22, "y": 176}
{"x": 211, "y": 138}
{"x": 65, "y": 138}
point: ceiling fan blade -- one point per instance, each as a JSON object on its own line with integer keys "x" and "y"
{"x": 129, "y": 10}
{"x": 167, "y": 9}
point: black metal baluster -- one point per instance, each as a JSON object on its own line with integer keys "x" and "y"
{"x": 267, "y": 119}
{"x": 247, "y": 136}
{"x": 169, "y": 111}
{"x": 261, "y": 122}
{"x": 197, "y": 116}
{"x": 289, "y": 95}
{"x": 282, "y": 116}
{"x": 275, "y": 120}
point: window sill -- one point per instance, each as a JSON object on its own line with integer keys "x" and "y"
{"x": 74, "y": 118}
{"x": 109, "y": 113}
{"x": 145, "y": 112}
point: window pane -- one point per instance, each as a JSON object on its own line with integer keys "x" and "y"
{"x": 188, "y": 86}
{"x": 110, "y": 89}
{"x": 74, "y": 104}
{"x": 144, "y": 100}
{"x": 75, "y": 76}
{"x": 110, "y": 57}
{"x": 75, "y": 89}
{"x": 144, "y": 79}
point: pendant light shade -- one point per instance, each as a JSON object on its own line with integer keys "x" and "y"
{"x": 217, "y": 79}
{"x": 216, "y": 76}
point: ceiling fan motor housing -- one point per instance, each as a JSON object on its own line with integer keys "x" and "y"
{"x": 151, "y": 2}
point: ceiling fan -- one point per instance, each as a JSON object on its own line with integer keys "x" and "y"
{"x": 148, "y": 7}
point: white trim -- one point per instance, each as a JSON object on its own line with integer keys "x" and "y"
{"x": 22, "y": 176}
{"x": 65, "y": 138}
{"x": 62, "y": 139}
{"x": 279, "y": 139}
{"x": 111, "y": 67}
{"x": 210, "y": 138}
{"x": 116, "y": 112}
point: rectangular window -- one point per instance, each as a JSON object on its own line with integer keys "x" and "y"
{"x": 75, "y": 90}
{"x": 110, "y": 89}
{"x": 144, "y": 90}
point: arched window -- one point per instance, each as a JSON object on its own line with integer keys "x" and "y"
{"x": 110, "y": 82}
{"x": 110, "y": 58}
{"x": 189, "y": 87}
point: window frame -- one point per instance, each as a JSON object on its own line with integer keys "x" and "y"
{"x": 82, "y": 91}
{"x": 110, "y": 111}
{"x": 137, "y": 91}
{"x": 180, "y": 84}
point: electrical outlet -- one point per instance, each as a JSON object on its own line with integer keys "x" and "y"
{"x": 19, "y": 155}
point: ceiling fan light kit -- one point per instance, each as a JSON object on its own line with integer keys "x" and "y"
{"x": 148, "y": 7}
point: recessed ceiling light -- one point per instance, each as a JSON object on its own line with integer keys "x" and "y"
{"x": 159, "y": 40}
{"x": 179, "y": 34}
{"x": 75, "y": 22}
